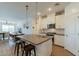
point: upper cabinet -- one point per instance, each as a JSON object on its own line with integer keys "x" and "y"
{"x": 50, "y": 19}
{"x": 60, "y": 21}
{"x": 72, "y": 8}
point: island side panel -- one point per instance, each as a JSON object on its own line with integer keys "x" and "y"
{"x": 44, "y": 49}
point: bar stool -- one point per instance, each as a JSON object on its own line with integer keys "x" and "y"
{"x": 27, "y": 50}
{"x": 19, "y": 44}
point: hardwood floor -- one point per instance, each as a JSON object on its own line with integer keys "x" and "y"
{"x": 60, "y": 51}
{"x": 7, "y": 49}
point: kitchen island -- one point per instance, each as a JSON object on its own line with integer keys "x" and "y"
{"x": 43, "y": 44}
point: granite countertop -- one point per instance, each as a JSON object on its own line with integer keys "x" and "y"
{"x": 35, "y": 39}
{"x": 59, "y": 31}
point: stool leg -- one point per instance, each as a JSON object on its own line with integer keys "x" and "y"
{"x": 22, "y": 50}
{"x": 15, "y": 49}
{"x": 26, "y": 53}
{"x": 34, "y": 52}
{"x": 29, "y": 53}
{"x": 23, "y": 53}
{"x": 21, "y": 47}
{"x": 18, "y": 50}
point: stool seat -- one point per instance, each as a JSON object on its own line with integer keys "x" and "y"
{"x": 27, "y": 49}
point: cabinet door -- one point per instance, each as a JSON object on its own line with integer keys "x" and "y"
{"x": 70, "y": 33}
{"x": 59, "y": 21}
{"x": 59, "y": 40}
{"x": 77, "y": 32}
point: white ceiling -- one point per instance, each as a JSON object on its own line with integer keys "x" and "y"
{"x": 17, "y": 10}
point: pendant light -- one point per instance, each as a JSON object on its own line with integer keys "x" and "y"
{"x": 36, "y": 13}
{"x": 27, "y": 26}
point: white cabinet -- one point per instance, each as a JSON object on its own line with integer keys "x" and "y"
{"x": 70, "y": 33}
{"x": 71, "y": 21}
{"x": 59, "y": 21}
{"x": 44, "y": 49}
{"x": 72, "y": 8}
{"x": 59, "y": 40}
{"x": 77, "y": 32}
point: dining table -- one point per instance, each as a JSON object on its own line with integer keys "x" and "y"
{"x": 15, "y": 34}
{"x": 3, "y": 34}
{"x": 42, "y": 43}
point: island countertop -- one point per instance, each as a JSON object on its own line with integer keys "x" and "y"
{"x": 35, "y": 39}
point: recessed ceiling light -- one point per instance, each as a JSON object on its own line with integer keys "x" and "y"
{"x": 38, "y": 13}
{"x": 49, "y": 9}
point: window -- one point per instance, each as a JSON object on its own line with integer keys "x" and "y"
{"x": 8, "y": 28}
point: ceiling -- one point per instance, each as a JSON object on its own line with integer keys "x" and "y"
{"x": 17, "y": 10}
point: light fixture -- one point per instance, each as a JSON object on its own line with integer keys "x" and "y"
{"x": 49, "y": 9}
{"x": 26, "y": 25}
{"x": 36, "y": 12}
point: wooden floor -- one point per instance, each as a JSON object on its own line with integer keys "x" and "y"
{"x": 7, "y": 49}
{"x": 60, "y": 51}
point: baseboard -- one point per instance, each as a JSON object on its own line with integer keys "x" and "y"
{"x": 70, "y": 52}
{"x": 59, "y": 45}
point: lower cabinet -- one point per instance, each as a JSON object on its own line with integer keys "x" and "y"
{"x": 59, "y": 40}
